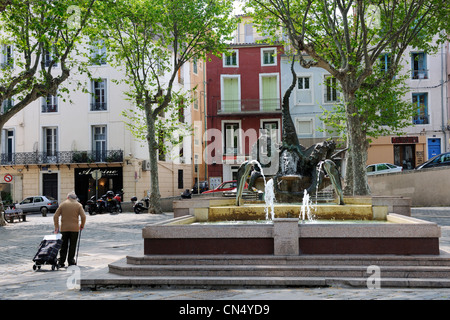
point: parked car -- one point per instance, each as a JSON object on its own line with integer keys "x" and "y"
{"x": 381, "y": 168}
{"x": 42, "y": 204}
{"x": 440, "y": 160}
{"x": 225, "y": 186}
{"x": 203, "y": 187}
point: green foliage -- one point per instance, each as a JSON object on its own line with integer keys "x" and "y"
{"x": 381, "y": 105}
{"x": 43, "y": 36}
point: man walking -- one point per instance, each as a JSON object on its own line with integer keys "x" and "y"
{"x": 70, "y": 211}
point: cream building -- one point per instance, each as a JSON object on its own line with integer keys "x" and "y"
{"x": 54, "y": 144}
{"x": 429, "y": 133}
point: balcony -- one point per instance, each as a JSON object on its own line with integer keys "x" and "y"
{"x": 61, "y": 157}
{"x": 99, "y": 106}
{"x": 420, "y": 74}
{"x": 248, "y": 106}
{"x": 421, "y": 119}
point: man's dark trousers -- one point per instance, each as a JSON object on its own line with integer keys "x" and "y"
{"x": 69, "y": 241}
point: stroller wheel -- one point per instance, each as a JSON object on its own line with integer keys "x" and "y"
{"x": 34, "y": 267}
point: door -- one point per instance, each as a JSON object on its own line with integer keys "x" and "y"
{"x": 434, "y": 147}
{"x": 50, "y": 185}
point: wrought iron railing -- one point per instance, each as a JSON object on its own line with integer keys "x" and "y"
{"x": 61, "y": 157}
{"x": 421, "y": 119}
{"x": 248, "y": 105}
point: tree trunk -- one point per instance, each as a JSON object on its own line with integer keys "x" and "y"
{"x": 358, "y": 144}
{"x": 155, "y": 196}
{"x": 2, "y": 209}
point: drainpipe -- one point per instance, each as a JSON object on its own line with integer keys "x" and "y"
{"x": 204, "y": 120}
{"x": 444, "y": 70}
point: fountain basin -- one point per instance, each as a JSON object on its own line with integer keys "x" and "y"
{"x": 394, "y": 234}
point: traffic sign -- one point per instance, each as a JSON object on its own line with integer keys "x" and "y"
{"x": 96, "y": 174}
{"x": 8, "y": 177}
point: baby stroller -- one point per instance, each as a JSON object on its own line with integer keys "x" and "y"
{"x": 48, "y": 252}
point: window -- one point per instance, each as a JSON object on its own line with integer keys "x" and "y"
{"x": 273, "y": 135}
{"x": 196, "y": 163}
{"x": 98, "y": 90}
{"x": 231, "y": 138}
{"x": 331, "y": 92}
{"x": 50, "y": 104}
{"x": 180, "y": 75}
{"x": 48, "y": 58}
{"x": 419, "y": 65}
{"x": 98, "y": 53}
{"x": 50, "y": 144}
{"x": 6, "y": 105}
{"x": 230, "y": 94}
{"x": 231, "y": 59}
{"x": 385, "y": 62}
{"x": 268, "y": 57}
{"x": 180, "y": 179}
{"x": 195, "y": 100}
{"x": 196, "y": 135}
{"x": 304, "y": 90}
{"x": 195, "y": 66}
{"x": 304, "y": 126}
{"x": 7, "y": 60}
{"x": 248, "y": 32}
{"x": 181, "y": 118}
{"x": 421, "y": 102}
{"x": 99, "y": 143}
{"x": 7, "y": 145}
{"x": 269, "y": 92}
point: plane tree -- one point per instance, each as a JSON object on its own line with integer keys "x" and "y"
{"x": 347, "y": 38}
{"x": 37, "y": 38}
{"x": 151, "y": 40}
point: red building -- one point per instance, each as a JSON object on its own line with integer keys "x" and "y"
{"x": 243, "y": 97}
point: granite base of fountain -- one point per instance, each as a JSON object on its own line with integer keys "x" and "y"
{"x": 359, "y": 227}
{"x": 192, "y": 251}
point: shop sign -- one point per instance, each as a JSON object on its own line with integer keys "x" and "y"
{"x": 406, "y": 140}
{"x": 104, "y": 172}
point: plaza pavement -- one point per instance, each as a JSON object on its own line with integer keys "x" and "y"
{"x": 108, "y": 238}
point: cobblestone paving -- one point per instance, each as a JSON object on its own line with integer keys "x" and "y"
{"x": 108, "y": 238}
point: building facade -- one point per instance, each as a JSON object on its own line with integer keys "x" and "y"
{"x": 243, "y": 103}
{"x": 428, "y": 134}
{"x": 53, "y": 146}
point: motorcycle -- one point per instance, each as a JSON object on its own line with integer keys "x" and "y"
{"x": 139, "y": 206}
{"x": 96, "y": 206}
{"x": 111, "y": 203}
{"x": 186, "y": 194}
{"x": 118, "y": 198}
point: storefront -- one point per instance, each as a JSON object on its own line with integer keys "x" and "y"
{"x": 85, "y": 184}
{"x": 405, "y": 151}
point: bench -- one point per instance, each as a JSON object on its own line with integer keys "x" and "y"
{"x": 12, "y": 214}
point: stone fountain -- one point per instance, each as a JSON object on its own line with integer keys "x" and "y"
{"x": 235, "y": 242}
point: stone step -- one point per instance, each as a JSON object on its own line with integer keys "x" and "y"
{"x": 354, "y": 260}
{"x": 111, "y": 280}
{"x": 343, "y": 271}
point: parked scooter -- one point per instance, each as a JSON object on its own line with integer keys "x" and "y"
{"x": 186, "y": 194}
{"x": 118, "y": 197}
{"x": 139, "y": 206}
{"x": 111, "y": 203}
{"x": 96, "y": 206}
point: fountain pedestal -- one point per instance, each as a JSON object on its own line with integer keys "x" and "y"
{"x": 285, "y": 236}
